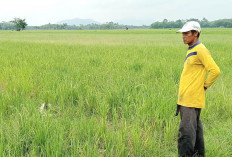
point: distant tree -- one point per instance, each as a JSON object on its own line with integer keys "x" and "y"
{"x": 36, "y": 27}
{"x": 165, "y": 21}
{"x": 64, "y": 26}
{"x": 19, "y": 24}
{"x": 226, "y": 23}
{"x": 204, "y": 20}
{"x": 204, "y": 23}
{"x": 6, "y": 25}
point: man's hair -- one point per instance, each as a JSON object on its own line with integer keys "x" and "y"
{"x": 193, "y": 31}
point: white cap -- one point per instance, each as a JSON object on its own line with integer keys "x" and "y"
{"x": 191, "y": 25}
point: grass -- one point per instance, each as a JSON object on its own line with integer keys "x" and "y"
{"x": 113, "y": 93}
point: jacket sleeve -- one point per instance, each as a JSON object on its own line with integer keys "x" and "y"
{"x": 211, "y": 67}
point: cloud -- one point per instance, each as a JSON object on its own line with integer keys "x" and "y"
{"x": 27, "y": 5}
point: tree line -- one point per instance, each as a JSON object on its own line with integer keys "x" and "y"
{"x": 222, "y": 23}
{"x": 93, "y": 26}
{"x": 20, "y": 24}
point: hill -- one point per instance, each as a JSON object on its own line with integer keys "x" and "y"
{"x": 78, "y": 21}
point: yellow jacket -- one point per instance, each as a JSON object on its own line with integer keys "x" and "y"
{"x": 193, "y": 78}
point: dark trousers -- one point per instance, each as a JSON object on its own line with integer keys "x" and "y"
{"x": 190, "y": 136}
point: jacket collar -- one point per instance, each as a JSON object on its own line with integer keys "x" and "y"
{"x": 197, "y": 43}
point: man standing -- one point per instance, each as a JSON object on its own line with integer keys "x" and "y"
{"x": 191, "y": 97}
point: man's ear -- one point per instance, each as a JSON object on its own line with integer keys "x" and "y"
{"x": 196, "y": 33}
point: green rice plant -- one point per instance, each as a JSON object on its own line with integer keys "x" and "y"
{"x": 112, "y": 93}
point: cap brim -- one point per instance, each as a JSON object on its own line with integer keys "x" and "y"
{"x": 186, "y": 30}
{"x": 183, "y": 30}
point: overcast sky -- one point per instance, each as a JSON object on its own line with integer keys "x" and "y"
{"x": 136, "y": 12}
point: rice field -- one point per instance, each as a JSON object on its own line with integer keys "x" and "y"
{"x": 111, "y": 93}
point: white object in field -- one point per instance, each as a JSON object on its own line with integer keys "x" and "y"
{"x": 45, "y": 107}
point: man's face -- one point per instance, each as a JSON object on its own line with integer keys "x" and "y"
{"x": 189, "y": 37}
